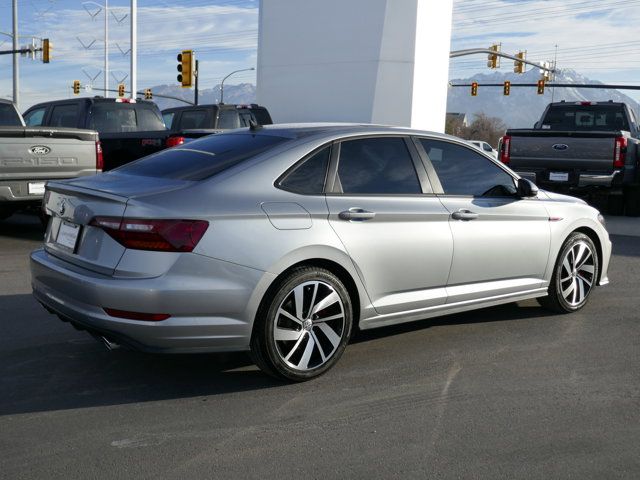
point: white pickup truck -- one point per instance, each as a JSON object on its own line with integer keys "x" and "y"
{"x": 30, "y": 156}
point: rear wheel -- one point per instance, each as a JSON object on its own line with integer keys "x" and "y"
{"x": 302, "y": 330}
{"x": 574, "y": 275}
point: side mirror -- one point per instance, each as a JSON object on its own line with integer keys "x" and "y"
{"x": 526, "y": 188}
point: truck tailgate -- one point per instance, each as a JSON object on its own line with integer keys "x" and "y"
{"x": 539, "y": 149}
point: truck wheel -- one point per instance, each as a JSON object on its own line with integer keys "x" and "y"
{"x": 5, "y": 212}
{"x": 615, "y": 204}
{"x": 303, "y": 326}
{"x": 574, "y": 275}
{"x": 632, "y": 200}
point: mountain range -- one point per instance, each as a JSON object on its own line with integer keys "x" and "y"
{"x": 521, "y": 109}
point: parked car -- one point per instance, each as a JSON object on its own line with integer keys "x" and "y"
{"x": 280, "y": 240}
{"x": 191, "y": 122}
{"x": 485, "y": 147}
{"x": 129, "y": 129}
{"x": 30, "y": 156}
{"x": 581, "y": 148}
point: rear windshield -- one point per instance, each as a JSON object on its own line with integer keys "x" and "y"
{"x": 8, "y": 116}
{"x": 124, "y": 117}
{"x": 586, "y": 117}
{"x": 214, "y": 154}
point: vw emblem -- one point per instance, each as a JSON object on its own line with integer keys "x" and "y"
{"x": 39, "y": 150}
{"x": 63, "y": 207}
{"x": 560, "y": 146}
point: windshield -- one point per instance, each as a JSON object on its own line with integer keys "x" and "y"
{"x": 585, "y": 117}
{"x": 202, "y": 158}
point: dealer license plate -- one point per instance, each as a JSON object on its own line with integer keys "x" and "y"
{"x": 559, "y": 176}
{"x": 36, "y": 188}
{"x": 68, "y": 235}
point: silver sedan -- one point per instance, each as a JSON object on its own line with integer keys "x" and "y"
{"x": 283, "y": 239}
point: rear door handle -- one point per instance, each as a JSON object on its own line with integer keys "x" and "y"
{"x": 464, "y": 215}
{"x": 357, "y": 214}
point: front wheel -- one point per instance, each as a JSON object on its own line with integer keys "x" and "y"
{"x": 302, "y": 330}
{"x": 574, "y": 275}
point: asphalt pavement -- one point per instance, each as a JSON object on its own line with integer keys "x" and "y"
{"x": 506, "y": 392}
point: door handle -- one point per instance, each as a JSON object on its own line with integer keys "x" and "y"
{"x": 357, "y": 214}
{"x": 464, "y": 215}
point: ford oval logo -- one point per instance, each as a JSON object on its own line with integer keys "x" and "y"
{"x": 39, "y": 150}
{"x": 560, "y": 146}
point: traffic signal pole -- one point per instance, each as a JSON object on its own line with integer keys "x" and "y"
{"x": 488, "y": 51}
{"x": 196, "y": 74}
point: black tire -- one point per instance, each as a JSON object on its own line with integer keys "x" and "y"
{"x": 562, "y": 279}
{"x": 285, "y": 358}
{"x": 632, "y": 200}
{"x": 615, "y": 205}
{"x": 5, "y": 212}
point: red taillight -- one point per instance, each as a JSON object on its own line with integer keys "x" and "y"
{"x": 99, "y": 157}
{"x": 619, "y": 152}
{"x": 505, "y": 149}
{"x": 174, "y": 141}
{"x": 148, "y": 317}
{"x": 153, "y": 235}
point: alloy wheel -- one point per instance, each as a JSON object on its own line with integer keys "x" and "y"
{"x": 309, "y": 325}
{"x": 577, "y": 273}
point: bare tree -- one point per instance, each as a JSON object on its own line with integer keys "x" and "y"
{"x": 483, "y": 127}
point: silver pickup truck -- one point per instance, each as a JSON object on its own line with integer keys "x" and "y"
{"x": 582, "y": 148}
{"x": 29, "y": 156}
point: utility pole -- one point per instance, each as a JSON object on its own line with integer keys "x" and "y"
{"x": 196, "y": 75}
{"x": 105, "y": 74}
{"x": 134, "y": 48}
{"x": 16, "y": 76}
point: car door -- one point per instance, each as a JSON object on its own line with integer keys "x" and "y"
{"x": 501, "y": 242}
{"x": 394, "y": 229}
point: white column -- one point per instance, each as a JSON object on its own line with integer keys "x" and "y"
{"x": 374, "y": 61}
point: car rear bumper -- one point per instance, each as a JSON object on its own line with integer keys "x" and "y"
{"x": 209, "y": 307}
{"x": 575, "y": 180}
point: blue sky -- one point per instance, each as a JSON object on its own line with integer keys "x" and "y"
{"x": 594, "y": 37}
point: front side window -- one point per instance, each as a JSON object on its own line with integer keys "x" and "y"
{"x": 380, "y": 165}
{"x": 462, "y": 171}
{"x": 308, "y": 177}
{"x": 35, "y": 117}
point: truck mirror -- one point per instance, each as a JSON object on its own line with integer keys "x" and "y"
{"x": 526, "y": 188}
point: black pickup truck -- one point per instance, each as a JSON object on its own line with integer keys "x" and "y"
{"x": 188, "y": 123}
{"x": 129, "y": 129}
{"x": 584, "y": 148}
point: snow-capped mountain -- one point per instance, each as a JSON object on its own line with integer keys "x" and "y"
{"x": 523, "y": 107}
{"x": 241, "y": 93}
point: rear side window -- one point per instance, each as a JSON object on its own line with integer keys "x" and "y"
{"x": 8, "y": 116}
{"x": 308, "y": 177}
{"x": 64, "y": 116}
{"x": 377, "y": 166}
{"x": 202, "y": 158}
{"x": 124, "y": 117}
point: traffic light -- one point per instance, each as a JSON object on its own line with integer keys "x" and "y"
{"x": 46, "y": 50}
{"x": 147, "y": 94}
{"x": 493, "y": 59}
{"x": 507, "y": 87}
{"x": 121, "y": 89}
{"x": 185, "y": 67}
{"x": 541, "y": 87}
{"x": 518, "y": 65}
{"x": 474, "y": 89}
{"x": 76, "y": 87}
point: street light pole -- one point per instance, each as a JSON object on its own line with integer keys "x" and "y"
{"x": 16, "y": 77}
{"x": 222, "y": 83}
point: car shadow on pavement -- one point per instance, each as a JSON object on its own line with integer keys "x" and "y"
{"x": 22, "y": 227}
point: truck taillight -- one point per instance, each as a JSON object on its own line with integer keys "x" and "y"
{"x": 505, "y": 149}
{"x": 99, "y": 157}
{"x": 154, "y": 235}
{"x": 174, "y": 141}
{"x": 619, "y": 152}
